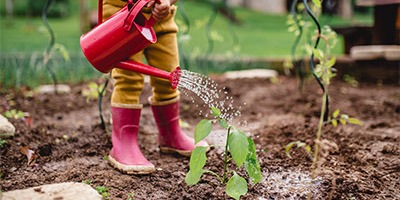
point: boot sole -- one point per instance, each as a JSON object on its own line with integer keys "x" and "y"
{"x": 172, "y": 150}
{"x": 180, "y": 152}
{"x": 130, "y": 169}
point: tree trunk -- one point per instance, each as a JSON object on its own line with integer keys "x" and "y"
{"x": 10, "y": 9}
{"x": 84, "y": 16}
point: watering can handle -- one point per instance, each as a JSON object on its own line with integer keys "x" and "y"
{"x": 134, "y": 10}
{"x": 100, "y": 12}
{"x": 151, "y": 20}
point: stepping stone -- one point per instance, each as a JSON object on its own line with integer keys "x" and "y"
{"x": 251, "y": 73}
{"x": 50, "y": 89}
{"x": 6, "y": 128}
{"x": 373, "y": 52}
{"x": 64, "y": 191}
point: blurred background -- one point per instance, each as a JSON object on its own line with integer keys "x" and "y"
{"x": 212, "y": 34}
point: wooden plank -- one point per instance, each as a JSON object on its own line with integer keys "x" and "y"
{"x": 376, "y": 2}
{"x": 374, "y": 52}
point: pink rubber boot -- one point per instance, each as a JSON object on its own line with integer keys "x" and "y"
{"x": 171, "y": 138}
{"x": 125, "y": 154}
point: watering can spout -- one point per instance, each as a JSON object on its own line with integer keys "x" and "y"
{"x": 173, "y": 77}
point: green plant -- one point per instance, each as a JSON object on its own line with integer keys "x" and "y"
{"x": 350, "y": 80}
{"x": 323, "y": 72}
{"x": 103, "y": 191}
{"x": 52, "y": 45}
{"x": 15, "y": 114}
{"x": 343, "y": 119}
{"x": 92, "y": 91}
{"x": 2, "y": 143}
{"x": 131, "y": 195}
{"x": 298, "y": 144}
{"x": 238, "y": 147}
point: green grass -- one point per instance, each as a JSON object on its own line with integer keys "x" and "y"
{"x": 259, "y": 35}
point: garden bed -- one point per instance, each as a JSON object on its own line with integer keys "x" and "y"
{"x": 66, "y": 134}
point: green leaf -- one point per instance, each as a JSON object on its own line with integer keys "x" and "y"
{"x": 317, "y": 3}
{"x": 336, "y": 113}
{"x": 292, "y": 29}
{"x": 354, "y": 121}
{"x": 15, "y": 114}
{"x": 223, "y": 123}
{"x": 198, "y": 158}
{"x": 193, "y": 177}
{"x": 307, "y": 148}
{"x": 318, "y": 53}
{"x": 251, "y": 164}
{"x": 238, "y": 146}
{"x": 197, "y": 161}
{"x": 202, "y": 130}
{"x": 331, "y": 62}
{"x": 299, "y": 144}
{"x": 215, "y": 111}
{"x": 288, "y": 147}
{"x": 343, "y": 119}
{"x": 63, "y": 51}
{"x": 334, "y": 122}
{"x": 236, "y": 186}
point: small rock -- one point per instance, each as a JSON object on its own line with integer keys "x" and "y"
{"x": 64, "y": 191}
{"x": 6, "y": 128}
{"x": 50, "y": 89}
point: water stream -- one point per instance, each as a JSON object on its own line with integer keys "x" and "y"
{"x": 209, "y": 92}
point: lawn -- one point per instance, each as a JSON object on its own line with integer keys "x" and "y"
{"x": 259, "y": 35}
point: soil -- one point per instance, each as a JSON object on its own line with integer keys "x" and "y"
{"x": 357, "y": 162}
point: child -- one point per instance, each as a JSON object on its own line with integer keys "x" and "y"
{"x": 125, "y": 154}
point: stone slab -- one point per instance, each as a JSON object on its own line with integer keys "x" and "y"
{"x": 6, "y": 128}
{"x": 50, "y": 89}
{"x": 64, "y": 191}
{"x": 373, "y": 52}
{"x": 251, "y": 73}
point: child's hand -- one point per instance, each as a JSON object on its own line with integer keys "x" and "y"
{"x": 161, "y": 10}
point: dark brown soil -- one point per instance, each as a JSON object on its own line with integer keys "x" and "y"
{"x": 362, "y": 163}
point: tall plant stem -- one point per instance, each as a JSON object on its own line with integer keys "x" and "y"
{"x": 318, "y": 138}
{"x": 310, "y": 13}
{"x": 47, "y": 54}
{"x": 298, "y": 65}
{"x": 226, "y": 157}
{"x": 99, "y": 103}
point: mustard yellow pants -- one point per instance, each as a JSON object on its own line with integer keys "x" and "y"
{"x": 163, "y": 54}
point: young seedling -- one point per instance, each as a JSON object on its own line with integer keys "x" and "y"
{"x": 52, "y": 45}
{"x": 15, "y": 114}
{"x": 131, "y": 195}
{"x": 103, "y": 191}
{"x": 239, "y": 147}
{"x": 92, "y": 91}
{"x": 2, "y": 142}
{"x": 96, "y": 91}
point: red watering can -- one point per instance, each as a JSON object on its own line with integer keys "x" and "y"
{"x": 110, "y": 44}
